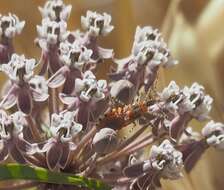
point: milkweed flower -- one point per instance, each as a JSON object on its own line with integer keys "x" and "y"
{"x": 10, "y": 25}
{"x": 97, "y": 24}
{"x": 214, "y": 134}
{"x": 76, "y": 59}
{"x": 184, "y": 105}
{"x": 50, "y": 34}
{"x": 11, "y": 137}
{"x": 56, "y": 10}
{"x": 20, "y": 72}
{"x": 88, "y": 93}
{"x": 141, "y": 67}
{"x": 63, "y": 129}
{"x": 66, "y": 119}
{"x": 164, "y": 162}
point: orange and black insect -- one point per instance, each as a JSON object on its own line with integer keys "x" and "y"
{"x": 120, "y": 117}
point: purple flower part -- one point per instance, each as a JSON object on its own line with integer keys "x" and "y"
{"x": 9, "y": 100}
{"x": 98, "y": 53}
{"x": 16, "y": 154}
{"x": 105, "y": 53}
{"x": 54, "y": 62}
{"x": 66, "y": 76}
{"x": 192, "y": 152}
{"x": 50, "y": 60}
{"x": 83, "y": 114}
{"x": 25, "y": 101}
{"x": 115, "y": 76}
{"x": 3, "y": 151}
{"x": 98, "y": 108}
{"x": 6, "y": 51}
{"x": 65, "y": 156}
{"x": 56, "y": 10}
{"x": 52, "y": 159}
{"x": 70, "y": 100}
{"x": 138, "y": 169}
{"x": 24, "y": 146}
{"x": 38, "y": 96}
{"x": 58, "y": 78}
{"x": 69, "y": 84}
{"x": 44, "y": 61}
{"x": 131, "y": 71}
{"x": 54, "y": 147}
{"x": 105, "y": 141}
{"x": 189, "y": 136}
{"x": 150, "y": 77}
{"x": 178, "y": 125}
{"x": 149, "y": 181}
{"x": 17, "y": 145}
{"x": 46, "y": 145}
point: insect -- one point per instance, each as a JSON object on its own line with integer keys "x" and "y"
{"x": 121, "y": 116}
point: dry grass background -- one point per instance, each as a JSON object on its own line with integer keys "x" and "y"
{"x": 194, "y": 30}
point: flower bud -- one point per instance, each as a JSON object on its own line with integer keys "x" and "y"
{"x": 105, "y": 141}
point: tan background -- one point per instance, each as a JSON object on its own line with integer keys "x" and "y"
{"x": 194, "y": 30}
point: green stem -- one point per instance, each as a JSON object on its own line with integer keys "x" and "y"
{"x": 24, "y": 172}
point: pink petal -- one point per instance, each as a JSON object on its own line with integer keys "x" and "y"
{"x": 16, "y": 155}
{"x": 58, "y": 78}
{"x": 67, "y": 99}
{"x": 54, "y": 156}
{"x": 9, "y": 100}
{"x": 25, "y": 147}
{"x": 24, "y": 101}
{"x": 134, "y": 170}
{"x": 105, "y": 53}
{"x": 65, "y": 156}
{"x": 3, "y": 151}
{"x": 39, "y": 97}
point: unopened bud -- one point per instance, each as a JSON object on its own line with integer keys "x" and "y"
{"x": 105, "y": 141}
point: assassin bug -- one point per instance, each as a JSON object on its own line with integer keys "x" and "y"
{"x": 122, "y": 116}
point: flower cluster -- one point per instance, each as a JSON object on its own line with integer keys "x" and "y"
{"x": 65, "y": 119}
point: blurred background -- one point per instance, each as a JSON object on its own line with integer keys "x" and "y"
{"x": 194, "y": 30}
